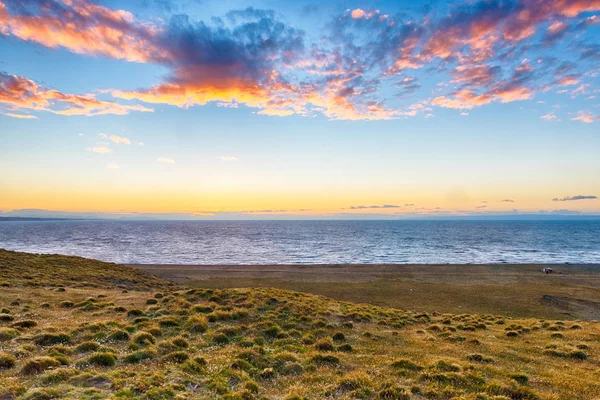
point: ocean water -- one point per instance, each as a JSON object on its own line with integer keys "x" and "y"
{"x": 310, "y": 242}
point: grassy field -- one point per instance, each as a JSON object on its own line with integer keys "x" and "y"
{"x": 510, "y": 290}
{"x": 71, "y": 334}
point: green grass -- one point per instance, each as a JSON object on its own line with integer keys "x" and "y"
{"x": 264, "y": 343}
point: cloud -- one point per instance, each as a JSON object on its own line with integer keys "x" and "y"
{"x": 584, "y": 116}
{"x": 81, "y": 27}
{"x": 118, "y": 139}
{"x": 112, "y": 165}
{"x": 19, "y": 93}
{"x": 507, "y": 201}
{"x": 140, "y": 144}
{"x": 373, "y": 207}
{"x": 359, "y": 13}
{"x": 252, "y": 57}
{"x": 550, "y": 117}
{"x": 20, "y": 116}
{"x": 165, "y": 160}
{"x": 99, "y": 149}
{"x": 228, "y": 158}
{"x": 80, "y": 134}
{"x": 573, "y": 198}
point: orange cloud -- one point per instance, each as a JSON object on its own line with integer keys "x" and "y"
{"x": 84, "y": 28}
{"x": 463, "y": 99}
{"x": 18, "y": 93}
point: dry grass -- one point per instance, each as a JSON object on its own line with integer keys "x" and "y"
{"x": 275, "y": 344}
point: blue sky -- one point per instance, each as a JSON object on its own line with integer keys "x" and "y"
{"x": 301, "y": 109}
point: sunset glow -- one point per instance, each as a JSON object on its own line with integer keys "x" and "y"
{"x": 299, "y": 109}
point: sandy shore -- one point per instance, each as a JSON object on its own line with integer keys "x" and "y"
{"x": 519, "y": 290}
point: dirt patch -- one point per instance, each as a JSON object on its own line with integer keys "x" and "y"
{"x": 578, "y": 308}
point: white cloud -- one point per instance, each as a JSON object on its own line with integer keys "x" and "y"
{"x": 550, "y": 117}
{"x": 165, "y": 160}
{"x": 464, "y": 114}
{"x": 103, "y": 135}
{"x": 228, "y": 158}
{"x": 112, "y": 165}
{"x": 80, "y": 134}
{"x": 99, "y": 149}
{"x": 20, "y": 116}
{"x": 140, "y": 143}
{"x": 119, "y": 139}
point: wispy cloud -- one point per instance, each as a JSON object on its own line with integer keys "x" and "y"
{"x": 112, "y": 165}
{"x": 573, "y": 198}
{"x": 99, "y": 149}
{"x": 507, "y": 201}
{"x": 19, "y": 93}
{"x": 383, "y": 206}
{"x": 165, "y": 160}
{"x": 20, "y": 116}
{"x": 550, "y": 117}
{"x": 228, "y": 158}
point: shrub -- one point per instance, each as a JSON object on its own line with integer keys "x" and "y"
{"x": 251, "y": 386}
{"x": 445, "y": 366}
{"x": 102, "y": 359}
{"x": 118, "y": 336}
{"x": 578, "y": 354}
{"x": 8, "y": 334}
{"x": 403, "y": 363}
{"x": 339, "y": 337}
{"x": 86, "y": 347}
{"x": 325, "y": 345}
{"x": 520, "y": 378}
{"x": 7, "y": 361}
{"x": 345, "y": 348}
{"x": 197, "y": 324}
{"x": 151, "y": 301}
{"x": 177, "y": 357}
{"x": 143, "y": 338}
{"x": 325, "y": 360}
{"x": 168, "y": 322}
{"x": 6, "y": 318}
{"x": 139, "y": 356}
{"x": 67, "y": 304}
{"x": 25, "y": 324}
{"x": 180, "y": 342}
{"x": 478, "y": 358}
{"x": 221, "y": 338}
{"x": 267, "y": 373}
{"x": 135, "y": 312}
{"x": 50, "y": 339}
{"x": 203, "y": 309}
{"x": 40, "y": 364}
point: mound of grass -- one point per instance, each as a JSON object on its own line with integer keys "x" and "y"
{"x": 102, "y": 359}
{"x": 7, "y": 361}
{"x": 39, "y": 364}
{"x": 57, "y": 270}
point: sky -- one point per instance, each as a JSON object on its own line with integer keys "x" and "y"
{"x": 305, "y": 109}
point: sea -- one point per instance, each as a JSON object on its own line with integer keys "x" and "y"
{"x": 310, "y": 242}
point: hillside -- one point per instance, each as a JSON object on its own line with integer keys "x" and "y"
{"x": 82, "y": 329}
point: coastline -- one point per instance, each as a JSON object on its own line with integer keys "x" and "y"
{"x": 515, "y": 290}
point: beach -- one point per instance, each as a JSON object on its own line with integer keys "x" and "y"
{"x": 515, "y": 290}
